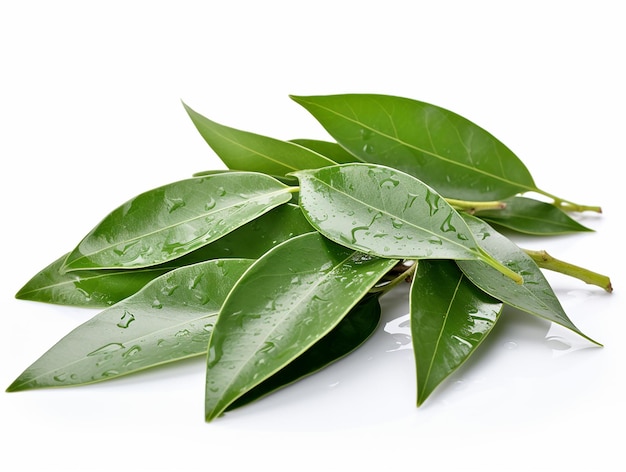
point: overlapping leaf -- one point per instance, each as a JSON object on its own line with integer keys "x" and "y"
{"x": 450, "y": 317}
{"x": 526, "y": 215}
{"x": 242, "y": 150}
{"x": 450, "y": 153}
{"x": 286, "y": 302}
{"x": 175, "y": 219}
{"x": 171, "y": 318}
{"x": 99, "y": 288}
{"x": 329, "y": 149}
{"x": 535, "y": 296}
{"x": 385, "y": 212}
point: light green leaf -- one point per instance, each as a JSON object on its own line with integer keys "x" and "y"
{"x": 329, "y": 149}
{"x": 104, "y": 287}
{"x": 535, "y": 296}
{"x": 286, "y": 302}
{"x": 170, "y": 221}
{"x": 384, "y": 212}
{"x": 450, "y": 317}
{"x": 446, "y": 151}
{"x": 171, "y": 318}
{"x": 242, "y": 150}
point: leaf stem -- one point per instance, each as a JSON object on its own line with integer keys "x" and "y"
{"x": 472, "y": 207}
{"x": 404, "y": 275}
{"x": 489, "y": 259}
{"x": 546, "y": 261}
{"x": 566, "y": 205}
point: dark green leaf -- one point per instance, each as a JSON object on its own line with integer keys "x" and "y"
{"x": 170, "y": 221}
{"x": 287, "y": 301}
{"x": 446, "y": 151}
{"x": 349, "y": 334}
{"x": 450, "y": 317}
{"x": 171, "y": 318}
{"x": 98, "y": 288}
{"x": 530, "y": 216}
{"x": 534, "y": 296}
{"x": 242, "y": 150}
{"x": 385, "y": 212}
{"x": 329, "y": 149}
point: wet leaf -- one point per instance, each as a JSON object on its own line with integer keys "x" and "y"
{"x": 351, "y": 332}
{"x": 175, "y": 219}
{"x": 242, "y": 150}
{"x": 99, "y": 288}
{"x": 329, "y": 149}
{"x": 530, "y": 216}
{"x": 286, "y": 302}
{"x": 387, "y": 213}
{"x": 171, "y": 318}
{"x": 535, "y": 296}
{"x": 450, "y": 317}
{"x": 446, "y": 151}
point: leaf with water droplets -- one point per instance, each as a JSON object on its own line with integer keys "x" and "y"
{"x": 170, "y": 221}
{"x": 530, "y": 216}
{"x": 450, "y": 317}
{"x": 348, "y": 335}
{"x": 286, "y": 302}
{"x": 535, "y": 296}
{"x": 100, "y": 288}
{"x": 171, "y": 318}
{"x": 242, "y": 150}
{"x": 384, "y": 212}
{"x": 448, "y": 152}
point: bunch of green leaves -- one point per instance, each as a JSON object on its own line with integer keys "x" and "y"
{"x": 273, "y": 267}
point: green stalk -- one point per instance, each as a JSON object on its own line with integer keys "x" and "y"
{"x": 566, "y": 205}
{"x": 472, "y": 207}
{"x": 546, "y": 261}
{"x": 511, "y": 274}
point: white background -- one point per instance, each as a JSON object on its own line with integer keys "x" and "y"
{"x": 91, "y": 115}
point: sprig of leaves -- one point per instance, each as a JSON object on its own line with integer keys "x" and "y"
{"x": 273, "y": 267}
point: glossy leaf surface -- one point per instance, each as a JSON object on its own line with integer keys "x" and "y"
{"x": 351, "y": 332}
{"x": 286, "y": 302}
{"x": 175, "y": 219}
{"x": 100, "y": 288}
{"x": 535, "y": 296}
{"x": 450, "y": 317}
{"x": 329, "y": 149}
{"x": 446, "y": 151}
{"x": 171, "y": 318}
{"x": 384, "y": 212}
{"x": 242, "y": 150}
{"x": 530, "y": 216}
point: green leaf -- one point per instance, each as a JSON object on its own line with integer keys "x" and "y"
{"x": 99, "y": 288}
{"x": 530, "y": 216}
{"x": 535, "y": 296}
{"x": 450, "y": 317}
{"x": 171, "y": 318}
{"x": 287, "y": 301}
{"x": 175, "y": 219}
{"x": 351, "y": 332}
{"x": 448, "y": 152}
{"x": 384, "y": 212}
{"x": 329, "y": 149}
{"x": 242, "y": 150}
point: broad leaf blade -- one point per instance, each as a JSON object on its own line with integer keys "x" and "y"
{"x": 167, "y": 222}
{"x": 171, "y": 318}
{"x": 526, "y": 215}
{"x": 450, "y": 317}
{"x": 384, "y": 212}
{"x": 242, "y": 150}
{"x": 287, "y": 301}
{"x": 448, "y": 152}
{"x": 329, "y": 149}
{"x": 100, "y": 288}
{"x": 348, "y": 335}
{"x": 535, "y": 296}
